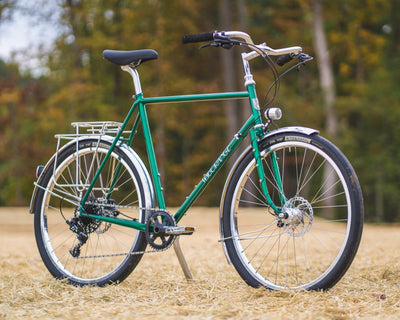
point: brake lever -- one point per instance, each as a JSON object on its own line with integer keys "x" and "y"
{"x": 303, "y": 57}
{"x": 218, "y": 43}
{"x": 210, "y": 44}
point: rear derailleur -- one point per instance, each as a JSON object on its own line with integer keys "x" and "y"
{"x": 83, "y": 226}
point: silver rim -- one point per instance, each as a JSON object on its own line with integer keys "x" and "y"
{"x": 107, "y": 246}
{"x": 301, "y": 250}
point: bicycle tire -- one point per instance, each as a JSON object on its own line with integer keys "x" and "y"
{"x": 312, "y": 248}
{"x": 109, "y": 253}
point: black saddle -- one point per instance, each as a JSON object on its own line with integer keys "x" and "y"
{"x": 134, "y": 57}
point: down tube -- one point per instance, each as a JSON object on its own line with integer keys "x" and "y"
{"x": 214, "y": 169}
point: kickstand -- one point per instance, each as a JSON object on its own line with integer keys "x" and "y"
{"x": 181, "y": 259}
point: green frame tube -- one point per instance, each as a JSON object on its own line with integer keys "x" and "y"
{"x": 249, "y": 127}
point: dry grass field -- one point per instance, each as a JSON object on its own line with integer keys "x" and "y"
{"x": 157, "y": 289}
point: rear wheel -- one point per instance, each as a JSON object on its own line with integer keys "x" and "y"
{"x": 313, "y": 243}
{"x": 84, "y": 250}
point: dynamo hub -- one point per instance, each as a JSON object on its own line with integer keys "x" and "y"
{"x": 298, "y": 216}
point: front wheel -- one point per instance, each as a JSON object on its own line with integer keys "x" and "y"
{"x": 312, "y": 244}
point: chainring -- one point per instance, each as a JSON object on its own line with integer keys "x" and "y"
{"x": 154, "y": 231}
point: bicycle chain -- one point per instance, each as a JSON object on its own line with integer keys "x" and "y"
{"x": 129, "y": 253}
{"x": 120, "y": 254}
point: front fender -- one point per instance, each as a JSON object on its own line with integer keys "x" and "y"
{"x": 268, "y": 135}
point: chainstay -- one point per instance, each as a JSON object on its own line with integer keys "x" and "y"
{"x": 128, "y": 207}
{"x": 130, "y": 253}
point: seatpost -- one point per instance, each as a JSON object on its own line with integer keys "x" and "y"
{"x": 135, "y": 76}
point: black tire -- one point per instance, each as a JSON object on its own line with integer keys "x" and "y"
{"x": 314, "y": 246}
{"x": 105, "y": 257}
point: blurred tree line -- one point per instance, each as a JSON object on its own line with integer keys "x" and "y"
{"x": 363, "y": 40}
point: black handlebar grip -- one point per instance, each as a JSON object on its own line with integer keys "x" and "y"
{"x": 198, "y": 37}
{"x": 284, "y": 59}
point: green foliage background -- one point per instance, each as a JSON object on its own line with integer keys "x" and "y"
{"x": 80, "y": 85}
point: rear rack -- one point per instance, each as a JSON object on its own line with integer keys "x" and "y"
{"x": 96, "y": 130}
{"x": 92, "y": 129}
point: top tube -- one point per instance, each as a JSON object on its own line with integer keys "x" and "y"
{"x": 196, "y": 97}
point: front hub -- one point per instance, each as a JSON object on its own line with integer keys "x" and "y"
{"x": 298, "y": 216}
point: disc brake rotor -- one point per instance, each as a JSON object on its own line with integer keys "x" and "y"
{"x": 299, "y": 216}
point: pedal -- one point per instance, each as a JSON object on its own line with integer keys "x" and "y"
{"x": 178, "y": 230}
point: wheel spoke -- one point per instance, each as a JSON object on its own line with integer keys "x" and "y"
{"x": 299, "y": 249}
{"x": 101, "y": 250}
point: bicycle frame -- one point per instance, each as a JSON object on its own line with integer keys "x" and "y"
{"x": 304, "y": 237}
{"x": 253, "y": 126}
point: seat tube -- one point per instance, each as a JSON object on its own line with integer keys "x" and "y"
{"x": 151, "y": 155}
{"x": 147, "y": 135}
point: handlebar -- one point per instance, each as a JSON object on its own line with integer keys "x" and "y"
{"x": 229, "y": 38}
{"x": 198, "y": 37}
{"x": 284, "y": 59}
{"x": 222, "y": 36}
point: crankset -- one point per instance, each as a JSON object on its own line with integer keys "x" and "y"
{"x": 161, "y": 230}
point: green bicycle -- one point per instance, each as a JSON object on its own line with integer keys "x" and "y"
{"x": 291, "y": 213}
